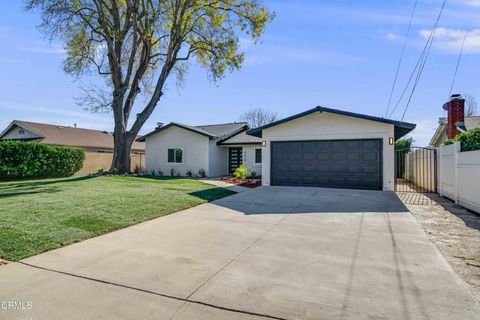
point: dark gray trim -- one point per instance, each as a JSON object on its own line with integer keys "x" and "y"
{"x": 242, "y": 144}
{"x": 174, "y": 124}
{"x": 401, "y": 128}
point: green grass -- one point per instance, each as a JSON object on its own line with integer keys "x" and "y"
{"x": 40, "y": 215}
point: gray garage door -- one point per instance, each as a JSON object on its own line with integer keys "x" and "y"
{"x": 355, "y": 164}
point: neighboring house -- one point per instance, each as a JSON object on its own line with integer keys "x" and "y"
{"x": 319, "y": 147}
{"x": 217, "y": 149}
{"x": 455, "y": 122}
{"x": 440, "y": 134}
{"x": 98, "y": 145}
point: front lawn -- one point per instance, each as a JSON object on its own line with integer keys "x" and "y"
{"x": 40, "y": 215}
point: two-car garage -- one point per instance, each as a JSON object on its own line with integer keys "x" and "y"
{"x": 327, "y": 163}
{"x": 325, "y": 147}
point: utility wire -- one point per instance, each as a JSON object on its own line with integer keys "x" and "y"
{"x": 420, "y": 71}
{"x": 401, "y": 57}
{"x": 458, "y": 64}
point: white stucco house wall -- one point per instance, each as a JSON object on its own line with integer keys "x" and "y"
{"x": 319, "y": 147}
{"x": 216, "y": 149}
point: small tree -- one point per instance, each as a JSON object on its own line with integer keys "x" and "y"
{"x": 258, "y": 117}
{"x": 135, "y": 45}
{"x": 471, "y": 105}
{"x": 404, "y": 144}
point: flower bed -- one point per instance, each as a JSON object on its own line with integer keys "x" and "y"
{"x": 249, "y": 183}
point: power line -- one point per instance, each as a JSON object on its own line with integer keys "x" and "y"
{"x": 420, "y": 71}
{"x": 401, "y": 57}
{"x": 458, "y": 64}
{"x": 419, "y": 66}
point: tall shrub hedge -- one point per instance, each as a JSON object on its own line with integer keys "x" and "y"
{"x": 35, "y": 160}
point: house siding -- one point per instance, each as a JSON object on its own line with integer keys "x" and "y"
{"x": 218, "y": 159}
{"x": 195, "y": 151}
{"x": 329, "y": 126}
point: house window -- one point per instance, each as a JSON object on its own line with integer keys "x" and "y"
{"x": 175, "y": 155}
{"x": 258, "y": 155}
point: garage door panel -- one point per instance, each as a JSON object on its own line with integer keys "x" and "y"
{"x": 328, "y": 163}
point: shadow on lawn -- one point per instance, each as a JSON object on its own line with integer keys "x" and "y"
{"x": 36, "y": 183}
{"x": 34, "y": 187}
{"x": 212, "y": 194}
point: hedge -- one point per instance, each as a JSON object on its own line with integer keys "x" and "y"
{"x": 35, "y": 160}
{"x": 470, "y": 140}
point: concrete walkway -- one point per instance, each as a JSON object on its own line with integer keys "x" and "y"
{"x": 267, "y": 253}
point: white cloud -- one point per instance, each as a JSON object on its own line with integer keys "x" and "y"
{"x": 43, "y": 47}
{"x": 4, "y": 60}
{"x": 451, "y": 39}
{"x": 394, "y": 37}
{"x": 473, "y": 3}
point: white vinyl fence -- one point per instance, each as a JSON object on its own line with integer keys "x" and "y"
{"x": 459, "y": 176}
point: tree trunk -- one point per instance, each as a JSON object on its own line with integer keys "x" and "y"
{"x": 121, "y": 152}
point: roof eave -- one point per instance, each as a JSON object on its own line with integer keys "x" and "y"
{"x": 401, "y": 128}
{"x": 171, "y": 124}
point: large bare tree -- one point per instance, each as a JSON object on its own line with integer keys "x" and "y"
{"x": 258, "y": 117}
{"x": 136, "y": 45}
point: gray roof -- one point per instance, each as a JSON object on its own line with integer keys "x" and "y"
{"x": 241, "y": 138}
{"x": 471, "y": 122}
{"x": 213, "y": 131}
{"x": 224, "y": 130}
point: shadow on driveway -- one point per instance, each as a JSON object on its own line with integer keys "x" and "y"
{"x": 291, "y": 200}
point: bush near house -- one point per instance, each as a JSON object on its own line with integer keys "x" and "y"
{"x": 470, "y": 140}
{"x": 35, "y": 160}
{"x": 242, "y": 172}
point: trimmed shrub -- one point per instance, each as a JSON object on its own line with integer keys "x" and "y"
{"x": 35, "y": 160}
{"x": 470, "y": 140}
{"x": 242, "y": 172}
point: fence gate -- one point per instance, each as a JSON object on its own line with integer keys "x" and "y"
{"x": 416, "y": 170}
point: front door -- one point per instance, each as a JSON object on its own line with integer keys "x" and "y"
{"x": 234, "y": 159}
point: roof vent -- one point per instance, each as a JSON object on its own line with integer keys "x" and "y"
{"x": 159, "y": 124}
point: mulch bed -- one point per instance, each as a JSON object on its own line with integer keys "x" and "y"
{"x": 249, "y": 183}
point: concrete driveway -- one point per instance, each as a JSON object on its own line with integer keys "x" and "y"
{"x": 268, "y": 253}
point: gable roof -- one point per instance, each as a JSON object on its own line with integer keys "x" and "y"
{"x": 401, "y": 128}
{"x": 240, "y": 138}
{"x": 212, "y": 131}
{"x": 69, "y": 136}
{"x": 470, "y": 122}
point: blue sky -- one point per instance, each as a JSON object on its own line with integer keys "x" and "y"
{"x": 338, "y": 53}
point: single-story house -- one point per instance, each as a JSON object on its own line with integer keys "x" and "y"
{"x": 455, "y": 123}
{"x": 319, "y": 147}
{"x": 98, "y": 145}
{"x": 216, "y": 149}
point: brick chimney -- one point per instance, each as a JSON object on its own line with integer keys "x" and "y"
{"x": 456, "y": 115}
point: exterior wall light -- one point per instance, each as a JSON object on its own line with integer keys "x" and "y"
{"x": 391, "y": 141}
{"x": 264, "y": 143}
